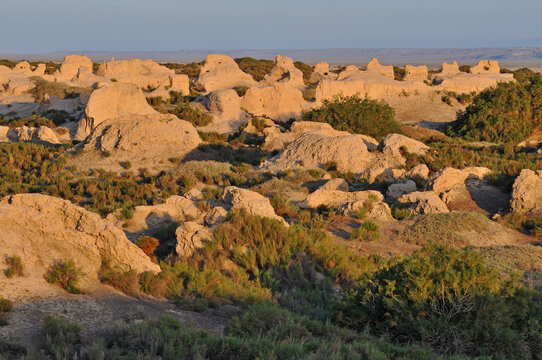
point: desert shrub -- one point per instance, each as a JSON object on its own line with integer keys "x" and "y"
{"x": 15, "y": 266}
{"x": 400, "y": 213}
{"x": 58, "y": 117}
{"x": 257, "y": 68}
{"x": 508, "y": 112}
{"x": 252, "y": 259}
{"x": 5, "y": 305}
{"x": 126, "y": 164}
{"x": 465, "y": 68}
{"x": 362, "y": 212}
{"x": 125, "y": 281}
{"x": 191, "y": 69}
{"x": 65, "y": 274}
{"x": 148, "y": 244}
{"x": 284, "y": 207}
{"x": 399, "y": 73}
{"x": 154, "y": 100}
{"x": 506, "y": 162}
{"x": 450, "y": 300}
{"x": 186, "y": 111}
{"x": 367, "y": 231}
{"x": 356, "y": 115}
{"x": 31, "y": 121}
{"x": 213, "y": 137}
{"x": 60, "y": 338}
{"x": 264, "y": 332}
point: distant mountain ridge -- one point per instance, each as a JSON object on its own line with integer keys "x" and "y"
{"x": 516, "y": 56}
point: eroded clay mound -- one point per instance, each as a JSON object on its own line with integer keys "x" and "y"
{"x": 42, "y": 229}
{"x": 110, "y": 101}
{"x": 320, "y": 148}
{"x": 144, "y": 140}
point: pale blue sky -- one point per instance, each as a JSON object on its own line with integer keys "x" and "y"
{"x": 157, "y": 25}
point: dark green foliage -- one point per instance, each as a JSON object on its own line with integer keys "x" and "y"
{"x": 65, "y": 274}
{"x": 191, "y": 69}
{"x": 448, "y": 299}
{"x": 506, "y": 113}
{"x": 251, "y": 258}
{"x": 264, "y": 332}
{"x": 400, "y": 213}
{"x": 125, "y": 281}
{"x": 399, "y": 73}
{"x": 257, "y": 68}
{"x": 185, "y": 111}
{"x": 32, "y": 121}
{"x": 356, "y": 115}
{"x": 60, "y": 339}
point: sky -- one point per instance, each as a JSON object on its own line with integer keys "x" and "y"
{"x": 41, "y": 26}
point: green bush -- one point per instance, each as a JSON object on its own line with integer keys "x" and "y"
{"x": 65, "y": 274}
{"x": 367, "y": 231}
{"x": 185, "y": 111}
{"x": 450, "y": 300}
{"x": 507, "y": 113}
{"x": 356, "y": 115}
{"x": 257, "y": 68}
{"x": 60, "y": 338}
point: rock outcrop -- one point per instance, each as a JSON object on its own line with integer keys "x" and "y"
{"x": 394, "y": 142}
{"x": 71, "y": 67}
{"x": 374, "y": 66}
{"x": 449, "y": 178}
{"x": 486, "y": 67}
{"x": 190, "y": 236}
{"x": 225, "y": 108}
{"x": 221, "y": 72}
{"x": 397, "y": 190}
{"x": 336, "y": 198}
{"x": 111, "y": 101}
{"x": 147, "y": 219}
{"x": 335, "y": 184}
{"x": 146, "y": 141}
{"x": 416, "y": 72}
{"x": 322, "y": 71}
{"x": 527, "y": 193}
{"x": 285, "y": 72}
{"x": 424, "y": 202}
{"x": 280, "y": 101}
{"x": 145, "y": 74}
{"x": 449, "y": 69}
{"x": 315, "y": 149}
{"x": 251, "y": 201}
{"x": 42, "y": 229}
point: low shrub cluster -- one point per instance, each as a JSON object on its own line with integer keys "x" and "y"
{"x": 507, "y": 113}
{"x": 14, "y": 266}
{"x": 186, "y": 111}
{"x": 65, "y": 274}
{"x": 356, "y": 115}
{"x": 451, "y": 301}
